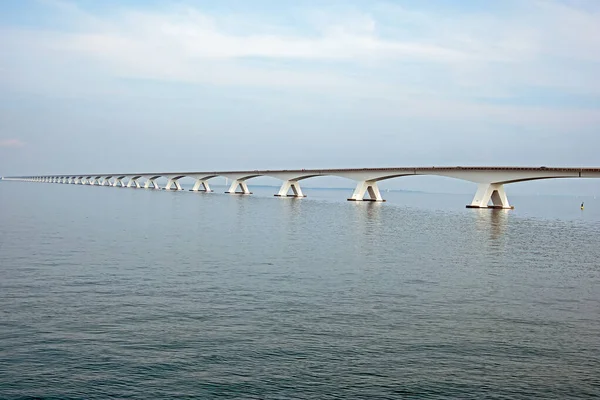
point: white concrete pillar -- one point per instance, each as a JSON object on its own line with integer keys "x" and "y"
{"x": 198, "y": 184}
{"x": 490, "y": 191}
{"x": 151, "y": 182}
{"x": 173, "y": 181}
{"x": 118, "y": 182}
{"x": 237, "y": 183}
{"x": 364, "y": 187}
{"x": 133, "y": 182}
{"x": 285, "y": 188}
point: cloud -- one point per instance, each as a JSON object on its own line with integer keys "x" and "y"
{"x": 11, "y": 143}
{"x": 382, "y": 53}
{"x": 457, "y": 50}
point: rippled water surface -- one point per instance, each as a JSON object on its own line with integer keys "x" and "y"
{"x": 150, "y": 294}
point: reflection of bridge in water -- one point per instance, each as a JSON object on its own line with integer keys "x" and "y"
{"x": 490, "y": 192}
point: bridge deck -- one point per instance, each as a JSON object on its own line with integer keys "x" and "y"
{"x": 342, "y": 170}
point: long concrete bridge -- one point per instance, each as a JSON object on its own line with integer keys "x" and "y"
{"x": 490, "y": 180}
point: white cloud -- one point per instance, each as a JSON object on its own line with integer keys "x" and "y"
{"x": 429, "y": 63}
{"x": 11, "y": 143}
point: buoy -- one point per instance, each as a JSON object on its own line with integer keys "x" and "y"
{"x": 582, "y": 206}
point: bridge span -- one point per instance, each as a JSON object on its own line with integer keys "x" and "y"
{"x": 490, "y": 180}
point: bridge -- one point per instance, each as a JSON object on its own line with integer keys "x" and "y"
{"x": 490, "y": 180}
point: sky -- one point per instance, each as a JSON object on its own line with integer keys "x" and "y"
{"x": 132, "y": 85}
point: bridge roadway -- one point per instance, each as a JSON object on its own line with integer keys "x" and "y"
{"x": 490, "y": 180}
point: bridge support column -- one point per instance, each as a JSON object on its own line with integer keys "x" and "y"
{"x": 366, "y": 187}
{"x": 118, "y": 182}
{"x": 490, "y": 191}
{"x": 203, "y": 183}
{"x": 238, "y": 184}
{"x": 151, "y": 182}
{"x": 133, "y": 183}
{"x": 285, "y": 188}
{"x": 171, "y": 182}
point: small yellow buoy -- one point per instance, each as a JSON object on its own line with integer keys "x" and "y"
{"x": 582, "y": 206}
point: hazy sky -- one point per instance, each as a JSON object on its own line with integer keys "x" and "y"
{"x": 210, "y": 85}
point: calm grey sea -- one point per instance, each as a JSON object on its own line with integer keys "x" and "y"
{"x": 124, "y": 293}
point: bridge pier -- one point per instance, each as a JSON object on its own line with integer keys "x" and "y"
{"x": 118, "y": 181}
{"x": 241, "y": 184}
{"x": 171, "y": 182}
{"x": 203, "y": 183}
{"x": 133, "y": 182}
{"x": 152, "y": 182}
{"x": 285, "y": 188}
{"x": 364, "y": 187}
{"x": 490, "y": 191}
